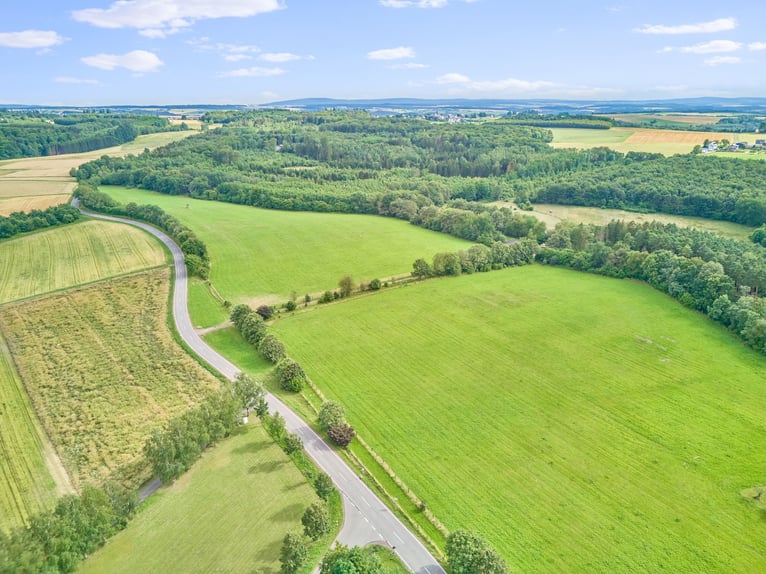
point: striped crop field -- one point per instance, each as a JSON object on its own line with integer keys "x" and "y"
{"x": 102, "y": 371}
{"x": 72, "y": 255}
{"x": 262, "y": 255}
{"x": 24, "y": 203}
{"x": 583, "y": 424}
{"x": 26, "y": 481}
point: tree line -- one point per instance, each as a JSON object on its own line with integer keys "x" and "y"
{"x": 21, "y": 222}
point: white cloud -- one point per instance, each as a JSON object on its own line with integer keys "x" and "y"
{"x": 278, "y": 57}
{"x": 756, "y": 46}
{"x": 717, "y": 60}
{"x": 31, "y": 39}
{"x": 170, "y": 15}
{"x": 254, "y": 72}
{"x": 453, "y": 78}
{"x": 70, "y": 80}
{"x": 236, "y": 57}
{"x": 413, "y": 3}
{"x": 510, "y": 84}
{"x": 392, "y": 53}
{"x": 408, "y": 66}
{"x": 714, "y": 47}
{"x": 159, "y": 33}
{"x": 135, "y": 61}
{"x": 712, "y": 27}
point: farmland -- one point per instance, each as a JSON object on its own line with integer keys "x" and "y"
{"x": 102, "y": 370}
{"x": 195, "y": 525}
{"x": 539, "y": 406}
{"x": 27, "y": 485}
{"x": 667, "y": 142}
{"x": 72, "y": 255}
{"x": 552, "y": 214}
{"x": 261, "y": 255}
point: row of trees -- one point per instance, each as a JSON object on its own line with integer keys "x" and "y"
{"x": 57, "y": 541}
{"x": 720, "y": 277}
{"x": 21, "y": 222}
{"x": 194, "y": 250}
{"x": 172, "y": 450}
{"x": 478, "y": 258}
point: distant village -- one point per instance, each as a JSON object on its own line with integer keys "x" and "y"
{"x": 724, "y": 145}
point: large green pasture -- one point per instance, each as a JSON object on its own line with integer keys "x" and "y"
{"x": 229, "y": 513}
{"x": 26, "y": 485}
{"x": 584, "y": 424}
{"x": 72, "y": 255}
{"x": 261, "y": 255}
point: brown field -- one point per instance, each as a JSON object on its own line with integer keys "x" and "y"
{"x": 24, "y": 187}
{"x": 102, "y": 371}
{"x": 12, "y": 204}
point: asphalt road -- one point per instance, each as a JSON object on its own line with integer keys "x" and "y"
{"x": 366, "y": 519}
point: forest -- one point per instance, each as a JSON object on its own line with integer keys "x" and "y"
{"x": 32, "y": 134}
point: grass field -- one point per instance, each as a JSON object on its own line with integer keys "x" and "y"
{"x": 666, "y": 142}
{"x": 71, "y": 255}
{"x": 229, "y": 513}
{"x": 584, "y": 424}
{"x": 261, "y": 255}
{"x": 26, "y": 481}
{"x": 102, "y": 370}
{"x": 552, "y": 214}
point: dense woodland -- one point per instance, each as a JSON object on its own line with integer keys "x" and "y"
{"x": 33, "y": 134}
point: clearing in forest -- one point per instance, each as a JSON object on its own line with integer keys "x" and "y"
{"x": 582, "y": 423}
{"x": 262, "y": 255}
{"x": 102, "y": 370}
{"x": 72, "y": 255}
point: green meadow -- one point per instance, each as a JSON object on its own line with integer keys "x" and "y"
{"x": 229, "y": 513}
{"x": 261, "y": 255}
{"x": 583, "y": 424}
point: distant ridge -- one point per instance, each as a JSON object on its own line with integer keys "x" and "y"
{"x": 393, "y": 105}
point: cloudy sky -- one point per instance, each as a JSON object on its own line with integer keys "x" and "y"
{"x": 100, "y": 52}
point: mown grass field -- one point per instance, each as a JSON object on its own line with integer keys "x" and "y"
{"x": 26, "y": 483}
{"x": 102, "y": 370}
{"x": 261, "y": 255}
{"x": 552, "y": 214}
{"x": 229, "y": 513}
{"x": 667, "y": 142}
{"x": 71, "y": 255}
{"x": 583, "y": 424}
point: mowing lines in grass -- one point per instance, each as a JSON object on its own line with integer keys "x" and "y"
{"x": 582, "y": 423}
{"x": 229, "y": 513}
{"x": 103, "y": 371}
{"x": 71, "y": 255}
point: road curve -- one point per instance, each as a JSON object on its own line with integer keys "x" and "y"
{"x": 366, "y": 519}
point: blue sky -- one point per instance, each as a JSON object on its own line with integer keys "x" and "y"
{"x": 100, "y": 52}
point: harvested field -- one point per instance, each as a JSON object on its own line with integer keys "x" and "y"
{"x": 102, "y": 371}
{"x": 12, "y": 204}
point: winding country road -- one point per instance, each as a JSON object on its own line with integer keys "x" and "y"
{"x": 366, "y": 518}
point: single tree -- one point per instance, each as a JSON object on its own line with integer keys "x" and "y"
{"x": 324, "y": 486}
{"x": 469, "y": 553}
{"x": 331, "y": 414}
{"x": 293, "y": 443}
{"x": 294, "y": 553}
{"x": 346, "y": 285}
{"x": 265, "y": 311}
{"x": 316, "y": 521}
{"x": 342, "y": 435}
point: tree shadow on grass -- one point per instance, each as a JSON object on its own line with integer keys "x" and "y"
{"x": 288, "y": 513}
{"x": 251, "y": 447}
{"x": 267, "y": 466}
{"x": 266, "y": 557}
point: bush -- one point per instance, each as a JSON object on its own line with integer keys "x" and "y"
{"x": 291, "y": 375}
{"x": 276, "y": 426}
{"x": 265, "y": 311}
{"x": 331, "y": 414}
{"x": 253, "y": 328}
{"x": 324, "y": 486}
{"x": 375, "y": 284}
{"x": 468, "y": 553}
{"x": 293, "y": 443}
{"x": 238, "y": 313}
{"x": 326, "y": 297}
{"x": 316, "y": 521}
{"x": 290, "y": 305}
{"x": 342, "y": 435}
{"x": 271, "y": 348}
{"x": 346, "y": 285}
